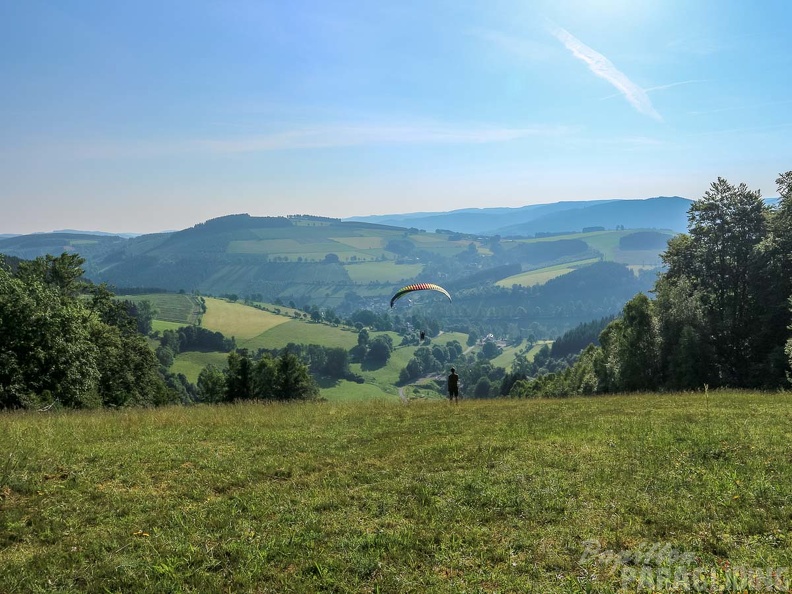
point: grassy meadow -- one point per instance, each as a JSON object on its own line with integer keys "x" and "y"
{"x": 485, "y": 496}
{"x": 240, "y": 321}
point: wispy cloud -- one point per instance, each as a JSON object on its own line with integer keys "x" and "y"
{"x": 324, "y": 137}
{"x": 345, "y": 136}
{"x": 660, "y": 87}
{"x": 675, "y": 84}
{"x": 604, "y": 68}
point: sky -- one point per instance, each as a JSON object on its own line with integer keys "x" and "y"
{"x": 156, "y": 115}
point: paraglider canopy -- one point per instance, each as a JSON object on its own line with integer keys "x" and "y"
{"x": 419, "y": 287}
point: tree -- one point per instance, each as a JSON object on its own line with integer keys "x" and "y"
{"x": 490, "y": 350}
{"x": 336, "y": 362}
{"x": 363, "y": 338}
{"x": 379, "y": 350}
{"x": 211, "y": 385}
{"x": 482, "y": 389}
{"x": 638, "y": 346}
{"x": 143, "y": 313}
{"x": 63, "y": 272}
{"x": 82, "y": 352}
{"x": 293, "y": 382}
{"x": 265, "y": 378}
{"x": 239, "y": 376}
{"x": 46, "y": 345}
{"x": 164, "y": 356}
{"x": 726, "y": 227}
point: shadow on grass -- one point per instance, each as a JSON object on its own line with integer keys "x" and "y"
{"x": 368, "y": 365}
{"x": 327, "y": 382}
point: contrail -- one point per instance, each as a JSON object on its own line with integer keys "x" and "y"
{"x": 660, "y": 87}
{"x": 604, "y": 68}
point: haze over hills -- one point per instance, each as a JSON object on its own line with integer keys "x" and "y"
{"x": 104, "y": 233}
{"x": 349, "y": 265}
{"x": 660, "y": 213}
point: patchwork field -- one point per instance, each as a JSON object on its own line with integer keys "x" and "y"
{"x": 563, "y": 496}
{"x": 171, "y": 307}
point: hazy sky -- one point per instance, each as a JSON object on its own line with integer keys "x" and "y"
{"x": 144, "y": 116}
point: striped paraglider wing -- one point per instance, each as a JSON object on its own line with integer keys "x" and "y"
{"x": 419, "y": 287}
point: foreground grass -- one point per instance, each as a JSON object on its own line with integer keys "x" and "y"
{"x": 364, "y": 497}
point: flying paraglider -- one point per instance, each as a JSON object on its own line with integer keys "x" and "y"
{"x": 419, "y": 287}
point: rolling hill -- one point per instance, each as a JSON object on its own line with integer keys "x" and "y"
{"x": 660, "y": 212}
{"x": 331, "y": 263}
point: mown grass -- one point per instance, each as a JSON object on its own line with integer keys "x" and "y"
{"x": 542, "y": 275}
{"x": 238, "y": 320}
{"x": 486, "y": 496}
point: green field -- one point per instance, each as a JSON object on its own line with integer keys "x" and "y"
{"x": 389, "y": 272}
{"x": 161, "y": 326}
{"x": 240, "y": 321}
{"x": 301, "y": 332}
{"x": 171, "y": 307}
{"x": 542, "y": 275}
{"x": 191, "y": 363}
{"x": 542, "y": 496}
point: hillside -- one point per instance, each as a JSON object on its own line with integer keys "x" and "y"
{"x": 325, "y": 262}
{"x": 660, "y": 212}
{"x": 550, "y": 496}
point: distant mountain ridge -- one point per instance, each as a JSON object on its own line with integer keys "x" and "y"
{"x": 661, "y": 212}
{"x": 101, "y": 233}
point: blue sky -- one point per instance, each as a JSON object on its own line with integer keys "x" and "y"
{"x": 144, "y": 116}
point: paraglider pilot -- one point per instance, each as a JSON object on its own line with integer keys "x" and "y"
{"x": 453, "y": 386}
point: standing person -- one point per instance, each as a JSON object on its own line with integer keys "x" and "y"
{"x": 453, "y": 386}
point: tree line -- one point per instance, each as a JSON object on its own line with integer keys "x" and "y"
{"x": 67, "y": 340}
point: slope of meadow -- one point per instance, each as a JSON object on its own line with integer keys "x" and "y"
{"x": 363, "y": 497}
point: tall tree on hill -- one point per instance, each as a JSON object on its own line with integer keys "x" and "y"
{"x": 776, "y": 315}
{"x": 723, "y": 262}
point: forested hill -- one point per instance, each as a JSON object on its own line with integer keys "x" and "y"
{"x": 660, "y": 212}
